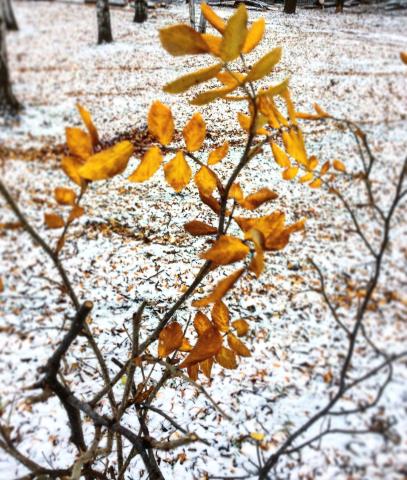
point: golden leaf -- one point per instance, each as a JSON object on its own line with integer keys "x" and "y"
{"x": 257, "y": 264}
{"x": 107, "y": 163}
{"x": 276, "y": 89}
{"x": 218, "y": 154}
{"x": 234, "y": 35}
{"x": 1, "y": 285}
{"x": 70, "y": 166}
{"x": 79, "y": 142}
{"x": 254, "y": 200}
{"x": 160, "y": 122}
{"x": 64, "y": 196}
{"x": 226, "y": 250}
{"x": 52, "y": 220}
{"x": 87, "y": 120}
{"x": 185, "y": 82}
{"x": 280, "y": 156}
{"x": 170, "y": 339}
{"x": 403, "y": 57}
{"x": 75, "y": 213}
{"x": 257, "y": 436}
{"x": 213, "y": 43}
{"x": 339, "y": 166}
{"x": 231, "y": 79}
{"x": 313, "y": 162}
{"x": 206, "y": 367}
{"x": 148, "y": 165}
{"x": 182, "y": 40}
{"x": 213, "y": 18}
{"x": 245, "y": 122}
{"x": 202, "y": 323}
{"x": 254, "y": 35}
{"x": 236, "y": 192}
{"x": 306, "y": 177}
{"x": 294, "y": 145}
{"x": 194, "y": 132}
{"x": 265, "y": 65}
{"x": 220, "y": 290}
{"x": 325, "y": 167}
{"x": 185, "y": 346}
{"x": 226, "y": 358}
{"x": 320, "y": 111}
{"x": 307, "y": 116}
{"x": 237, "y": 346}
{"x": 241, "y": 326}
{"x": 177, "y": 172}
{"x": 316, "y": 183}
{"x": 211, "y": 95}
{"x": 208, "y": 345}
{"x": 197, "y": 228}
{"x": 290, "y": 173}
{"x": 220, "y": 316}
{"x": 205, "y": 180}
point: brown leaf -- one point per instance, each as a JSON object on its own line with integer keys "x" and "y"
{"x": 220, "y": 290}
{"x": 206, "y": 367}
{"x": 254, "y": 200}
{"x": 237, "y": 346}
{"x": 208, "y": 345}
{"x": 226, "y": 358}
{"x": 197, "y": 228}
{"x": 202, "y": 323}
{"x": 182, "y": 40}
{"x": 220, "y": 316}
{"x": 52, "y": 220}
{"x": 64, "y": 196}
{"x": 75, "y": 213}
{"x": 193, "y": 371}
{"x": 226, "y": 250}
{"x": 241, "y": 326}
{"x": 170, "y": 339}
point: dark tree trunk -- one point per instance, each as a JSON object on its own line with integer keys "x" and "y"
{"x": 104, "y": 27}
{"x": 339, "y": 6}
{"x": 8, "y": 102}
{"x": 290, "y": 6}
{"x": 140, "y": 11}
{"x": 9, "y": 17}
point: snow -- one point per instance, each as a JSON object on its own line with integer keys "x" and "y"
{"x": 131, "y": 246}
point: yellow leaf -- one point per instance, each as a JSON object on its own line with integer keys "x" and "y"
{"x": 320, "y": 111}
{"x": 254, "y": 35}
{"x": 197, "y": 228}
{"x": 257, "y": 436}
{"x": 265, "y": 65}
{"x": 185, "y": 346}
{"x": 205, "y": 180}
{"x": 226, "y": 358}
{"x": 276, "y": 89}
{"x": 213, "y": 43}
{"x": 202, "y": 323}
{"x": 236, "y": 192}
{"x": 194, "y": 132}
{"x": 307, "y": 116}
{"x": 294, "y": 145}
{"x": 70, "y": 166}
{"x": 148, "y": 165}
{"x": 87, "y": 120}
{"x": 107, "y": 163}
{"x": 185, "y": 82}
{"x": 170, "y": 339}
{"x": 313, "y": 162}
{"x": 290, "y": 173}
{"x": 213, "y": 18}
{"x": 79, "y": 142}
{"x": 206, "y": 367}
{"x": 316, "y": 183}
{"x": 339, "y": 166}
{"x": 220, "y": 316}
{"x": 257, "y": 264}
{"x": 254, "y": 200}
{"x": 220, "y": 290}
{"x": 234, "y": 35}
{"x": 280, "y": 156}
{"x": 226, "y": 250}
{"x": 64, "y": 196}
{"x": 160, "y": 122}
{"x": 211, "y": 95}
{"x": 177, "y": 172}
{"x": 52, "y": 220}
{"x": 241, "y": 326}
{"x": 218, "y": 154}
{"x": 403, "y": 57}
{"x": 237, "y": 346}
{"x": 230, "y": 79}
{"x": 306, "y": 178}
{"x": 182, "y": 40}
{"x": 325, "y": 167}
{"x": 207, "y": 346}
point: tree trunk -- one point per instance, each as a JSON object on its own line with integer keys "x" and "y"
{"x": 192, "y": 13}
{"x": 140, "y": 11}
{"x": 290, "y": 6}
{"x": 8, "y": 102}
{"x": 104, "y": 27}
{"x": 9, "y": 18}
{"x": 202, "y": 24}
{"x": 339, "y": 6}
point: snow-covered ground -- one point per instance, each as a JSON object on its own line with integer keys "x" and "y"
{"x": 131, "y": 246}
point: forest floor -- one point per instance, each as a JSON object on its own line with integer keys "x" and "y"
{"x": 130, "y": 245}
